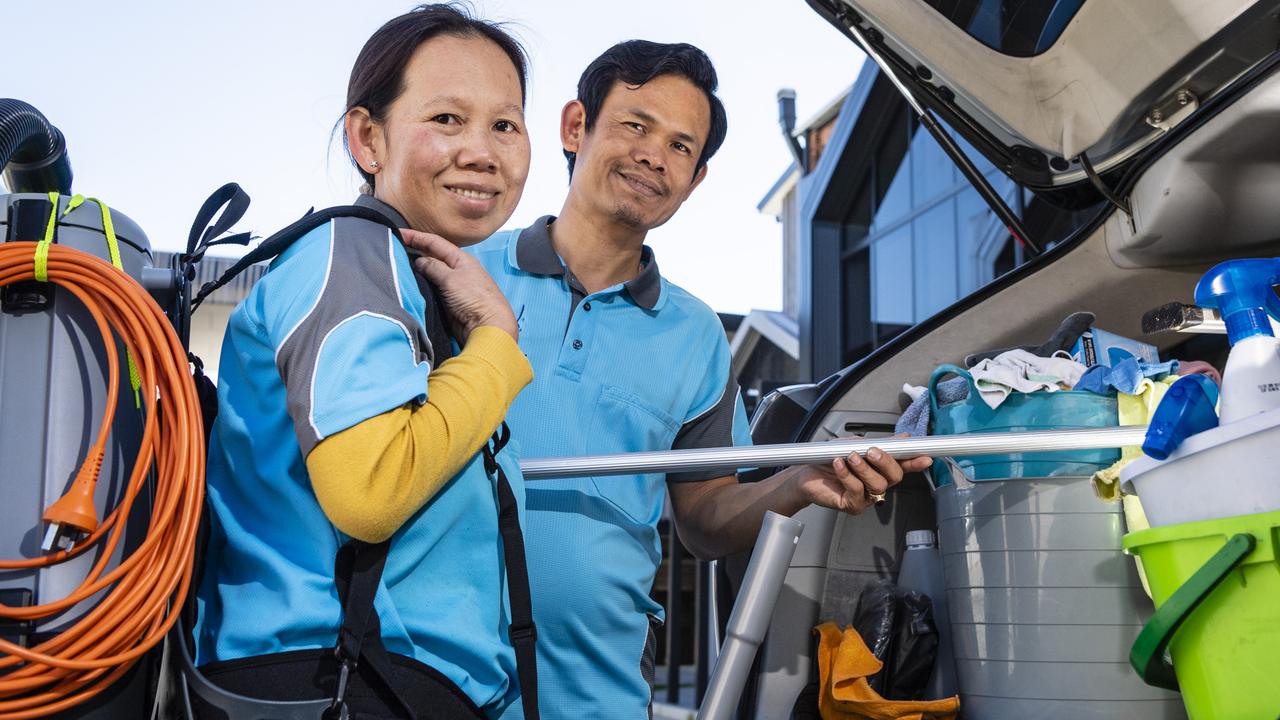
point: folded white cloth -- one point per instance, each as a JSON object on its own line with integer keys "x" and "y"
{"x": 1022, "y": 371}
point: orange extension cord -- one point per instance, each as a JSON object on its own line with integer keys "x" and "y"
{"x": 145, "y": 592}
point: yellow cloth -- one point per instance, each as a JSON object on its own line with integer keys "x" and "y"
{"x": 844, "y": 664}
{"x": 372, "y": 477}
{"x": 1135, "y": 409}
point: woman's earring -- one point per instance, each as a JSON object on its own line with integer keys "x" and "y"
{"x": 375, "y": 164}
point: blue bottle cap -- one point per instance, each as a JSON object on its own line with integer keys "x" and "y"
{"x": 1187, "y": 409}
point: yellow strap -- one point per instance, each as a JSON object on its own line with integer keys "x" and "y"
{"x": 113, "y": 249}
{"x": 113, "y": 246}
{"x": 42, "y": 247}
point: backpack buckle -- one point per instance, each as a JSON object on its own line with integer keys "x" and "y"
{"x": 338, "y": 709}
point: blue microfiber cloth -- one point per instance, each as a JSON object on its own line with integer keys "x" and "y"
{"x": 915, "y": 420}
{"x": 1125, "y": 376}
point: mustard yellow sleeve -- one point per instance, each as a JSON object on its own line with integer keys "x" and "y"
{"x": 371, "y": 477}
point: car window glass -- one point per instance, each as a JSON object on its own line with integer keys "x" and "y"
{"x": 1014, "y": 27}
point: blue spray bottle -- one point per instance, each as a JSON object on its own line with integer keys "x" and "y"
{"x": 1187, "y": 409}
{"x": 1241, "y": 291}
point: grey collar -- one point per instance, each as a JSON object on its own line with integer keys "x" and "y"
{"x": 374, "y": 203}
{"x": 535, "y": 254}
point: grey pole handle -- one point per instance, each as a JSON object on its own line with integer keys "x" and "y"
{"x": 729, "y": 459}
{"x": 752, "y": 612}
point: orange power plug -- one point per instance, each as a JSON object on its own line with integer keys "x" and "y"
{"x": 74, "y": 512}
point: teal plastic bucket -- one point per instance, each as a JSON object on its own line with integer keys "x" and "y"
{"x": 1021, "y": 412}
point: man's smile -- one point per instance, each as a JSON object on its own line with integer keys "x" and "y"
{"x": 642, "y": 186}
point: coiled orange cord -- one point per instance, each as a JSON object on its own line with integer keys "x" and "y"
{"x": 145, "y": 592}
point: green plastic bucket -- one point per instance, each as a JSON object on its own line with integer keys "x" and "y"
{"x": 1216, "y": 584}
{"x": 1021, "y": 412}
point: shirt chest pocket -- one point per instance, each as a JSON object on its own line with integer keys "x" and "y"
{"x": 623, "y": 422}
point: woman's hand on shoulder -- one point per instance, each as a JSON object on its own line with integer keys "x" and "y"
{"x": 465, "y": 288}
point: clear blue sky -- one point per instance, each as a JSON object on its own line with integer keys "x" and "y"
{"x": 162, "y": 102}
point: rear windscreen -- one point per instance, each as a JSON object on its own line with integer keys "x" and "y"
{"x": 1013, "y": 27}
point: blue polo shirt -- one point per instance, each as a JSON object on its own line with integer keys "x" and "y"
{"x": 639, "y": 366}
{"x": 330, "y": 336}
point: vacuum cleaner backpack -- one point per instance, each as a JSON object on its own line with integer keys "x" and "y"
{"x": 53, "y": 390}
{"x": 358, "y": 658}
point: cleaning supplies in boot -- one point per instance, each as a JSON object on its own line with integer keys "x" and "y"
{"x": 1218, "y": 473}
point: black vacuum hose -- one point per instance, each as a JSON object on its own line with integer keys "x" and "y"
{"x": 33, "y": 153}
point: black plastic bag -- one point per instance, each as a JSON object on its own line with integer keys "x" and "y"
{"x": 897, "y": 626}
{"x": 916, "y": 648}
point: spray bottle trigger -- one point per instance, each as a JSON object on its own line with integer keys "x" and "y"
{"x": 1273, "y": 301}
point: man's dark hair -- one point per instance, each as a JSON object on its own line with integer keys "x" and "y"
{"x": 636, "y": 62}
{"x": 377, "y": 78}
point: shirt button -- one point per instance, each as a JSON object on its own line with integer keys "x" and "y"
{"x": 586, "y": 306}
{"x": 577, "y": 344}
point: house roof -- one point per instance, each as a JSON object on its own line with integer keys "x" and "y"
{"x": 823, "y": 116}
{"x": 778, "y": 328}
{"x": 771, "y": 203}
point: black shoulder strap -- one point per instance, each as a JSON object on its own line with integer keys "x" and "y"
{"x": 523, "y": 632}
{"x": 279, "y": 242}
{"x": 433, "y": 321}
{"x": 233, "y": 201}
{"x": 358, "y": 570}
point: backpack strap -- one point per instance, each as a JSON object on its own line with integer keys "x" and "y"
{"x": 357, "y": 572}
{"x": 233, "y": 201}
{"x": 522, "y": 631}
{"x": 279, "y": 242}
{"x": 434, "y": 322}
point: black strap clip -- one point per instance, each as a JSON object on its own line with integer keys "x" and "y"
{"x": 338, "y": 709}
{"x": 27, "y": 220}
{"x": 495, "y": 445}
{"x": 17, "y": 631}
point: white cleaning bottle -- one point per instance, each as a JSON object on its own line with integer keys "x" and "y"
{"x": 1241, "y": 291}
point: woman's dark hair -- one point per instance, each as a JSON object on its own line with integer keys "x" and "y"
{"x": 636, "y": 62}
{"x": 377, "y": 78}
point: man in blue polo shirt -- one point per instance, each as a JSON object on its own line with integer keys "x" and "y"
{"x": 625, "y": 361}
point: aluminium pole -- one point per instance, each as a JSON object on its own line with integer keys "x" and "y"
{"x": 741, "y": 458}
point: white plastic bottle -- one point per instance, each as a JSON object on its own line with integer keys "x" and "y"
{"x": 1251, "y": 380}
{"x": 921, "y": 571}
{"x": 1241, "y": 291}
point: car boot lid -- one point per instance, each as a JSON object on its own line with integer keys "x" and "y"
{"x": 1035, "y": 84}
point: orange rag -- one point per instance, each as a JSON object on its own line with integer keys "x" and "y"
{"x": 844, "y": 664}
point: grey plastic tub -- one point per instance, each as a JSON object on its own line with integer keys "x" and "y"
{"x": 1043, "y": 604}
